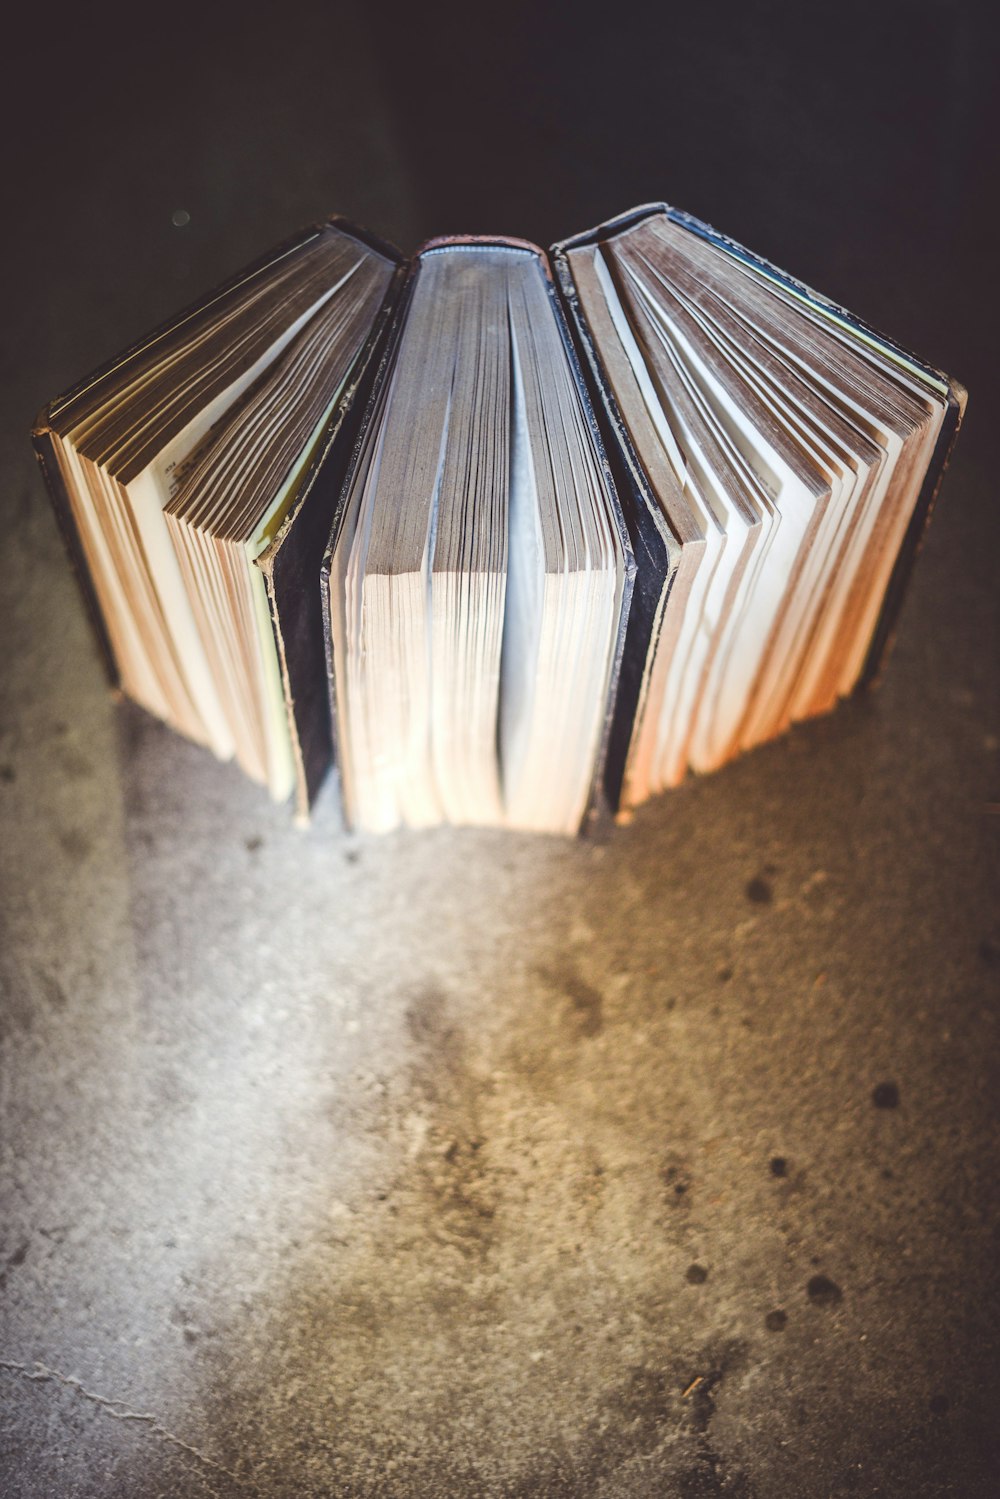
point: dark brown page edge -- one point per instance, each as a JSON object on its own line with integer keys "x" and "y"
{"x": 50, "y": 412}
{"x": 696, "y": 226}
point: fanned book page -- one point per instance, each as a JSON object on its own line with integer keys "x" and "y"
{"x": 180, "y": 462}
{"x": 477, "y": 578}
{"x": 784, "y": 447}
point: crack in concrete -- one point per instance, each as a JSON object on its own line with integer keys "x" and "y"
{"x": 41, "y": 1374}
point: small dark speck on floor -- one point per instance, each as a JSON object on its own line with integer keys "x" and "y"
{"x": 779, "y": 1165}
{"x": 759, "y": 891}
{"x": 696, "y": 1275}
{"x": 677, "y": 1183}
{"x": 8, "y": 774}
{"x": 254, "y": 844}
{"x": 775, "y": 1321}
{"x": 823, "y": 1292}
{"x": 886, "y": 1096}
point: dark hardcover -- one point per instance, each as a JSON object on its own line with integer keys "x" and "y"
{"x": 597, "y": 804}
{"x": 382, "y": 368}
{"x": 291, "y": 562}
{"x": 654, "y": 546}
{"x": 950, "y": 389}
{"x": 291, "y": 568}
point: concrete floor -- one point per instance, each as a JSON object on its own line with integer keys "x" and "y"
{"x": 466, "y": 1163}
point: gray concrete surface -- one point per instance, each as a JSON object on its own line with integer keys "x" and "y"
{"x": 474, "y": 1164}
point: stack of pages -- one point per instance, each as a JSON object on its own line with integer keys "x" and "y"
{"x": 511, "y": 538}
{"x": 180, "y": 473}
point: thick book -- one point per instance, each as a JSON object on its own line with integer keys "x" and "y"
{"x": 194, "y": 478}
{"x": 777, "y": 460}
{"x": 512, "y": 538}
{"x": 479, "y": 574}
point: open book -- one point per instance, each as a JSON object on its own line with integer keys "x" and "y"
{"x": 479, "y": 570}
{"x": 777, "y": 460}
{"x": 559, "y": 528}
{"x": 191, "y": 479}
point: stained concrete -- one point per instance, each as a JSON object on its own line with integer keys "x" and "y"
{"x": 467, "y": 1163}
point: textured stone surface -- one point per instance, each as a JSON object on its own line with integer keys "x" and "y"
{"x": 471, "y": 1163}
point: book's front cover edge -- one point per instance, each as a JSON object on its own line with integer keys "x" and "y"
{"x": 608, "y": 229}
{"x": 383, "y": 247}
{"x": 335, "y": 774}
{"x": 654, "y": 549}
{"x": 884, "y": 633}
{"x": 291, "y": 563}
{"x": 387, "y": 353}
{"x": 598, "y": 806}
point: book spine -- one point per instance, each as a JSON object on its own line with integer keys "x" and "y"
{"x": 482, "y": 242}
{"x": 48, "y": 461}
